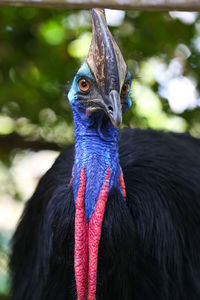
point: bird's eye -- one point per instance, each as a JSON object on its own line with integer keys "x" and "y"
{"x": 83, "y": 85}
{"x": 125, "y": 88}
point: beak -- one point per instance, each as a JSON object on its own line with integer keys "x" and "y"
{"x": 111, "y": 105}
{"x": 114, "y": 108}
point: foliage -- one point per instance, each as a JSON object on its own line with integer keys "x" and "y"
{"x": 41, "y": 49}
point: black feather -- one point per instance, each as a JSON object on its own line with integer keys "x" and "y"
{"x": 150, "y": 246}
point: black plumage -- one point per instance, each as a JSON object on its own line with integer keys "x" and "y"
{"x": 150, "y": 244}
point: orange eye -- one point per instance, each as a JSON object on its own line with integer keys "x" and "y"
{"x": 125, "y": 88}
{"x": 83, "y": 85}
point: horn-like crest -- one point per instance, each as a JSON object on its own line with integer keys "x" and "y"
{"x": 104, "y": 58}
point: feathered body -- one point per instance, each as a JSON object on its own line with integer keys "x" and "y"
{"x": 150, "y": 244}
{"x": 111, "y": 220}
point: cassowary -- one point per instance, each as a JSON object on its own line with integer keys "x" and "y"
{"x": 118, "y": 216}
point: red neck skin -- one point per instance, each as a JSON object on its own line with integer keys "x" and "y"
{"x": 87, "y": 237}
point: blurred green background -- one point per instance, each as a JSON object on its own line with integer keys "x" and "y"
{"x": 40, "y": 51}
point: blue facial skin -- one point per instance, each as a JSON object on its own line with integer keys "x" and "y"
{"x": 96, "y": 147}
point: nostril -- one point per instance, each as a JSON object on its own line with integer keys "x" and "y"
{"x": 110, "y": 108}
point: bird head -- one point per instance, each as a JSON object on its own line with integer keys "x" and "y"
{"x": 103, "y": 81}
{"x": 99, "y": 95}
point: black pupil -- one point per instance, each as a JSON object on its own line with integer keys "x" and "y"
{"x": 84, "y": 83}
{"x": 124, "y": 87}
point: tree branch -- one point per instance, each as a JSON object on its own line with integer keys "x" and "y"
{"x": 153, "y": 5}
{"x": 14, "y": 141}
{"x": 2, "y": 297}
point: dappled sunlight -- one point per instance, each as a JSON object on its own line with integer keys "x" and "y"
{"x": 20, "y": 181}
{"x": 148, "y": 106}
{"x": 52, "y": 32}
{"x": 79, "y": 48}
{"x": 184, "y": 16}
{"x": 179, "y": 90}
{"x": 28, "y": 167}
{"x": 181, "y": 93}
{"x": 114, "y": 17}
{"x": 17, "y": 182}
{"x": 6, "y": 124}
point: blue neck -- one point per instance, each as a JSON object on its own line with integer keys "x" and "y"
{"x": 96, "y": 148}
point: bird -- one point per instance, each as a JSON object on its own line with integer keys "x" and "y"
{"x": 117, "y": 216}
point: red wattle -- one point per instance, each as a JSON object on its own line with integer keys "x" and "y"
{"x": 71, "y": 180}
{"x": 87, "y": 239}
{"x": 122, "y": 183}
{"x": 95, "y": 234}
{"x": 81, "y": 241}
